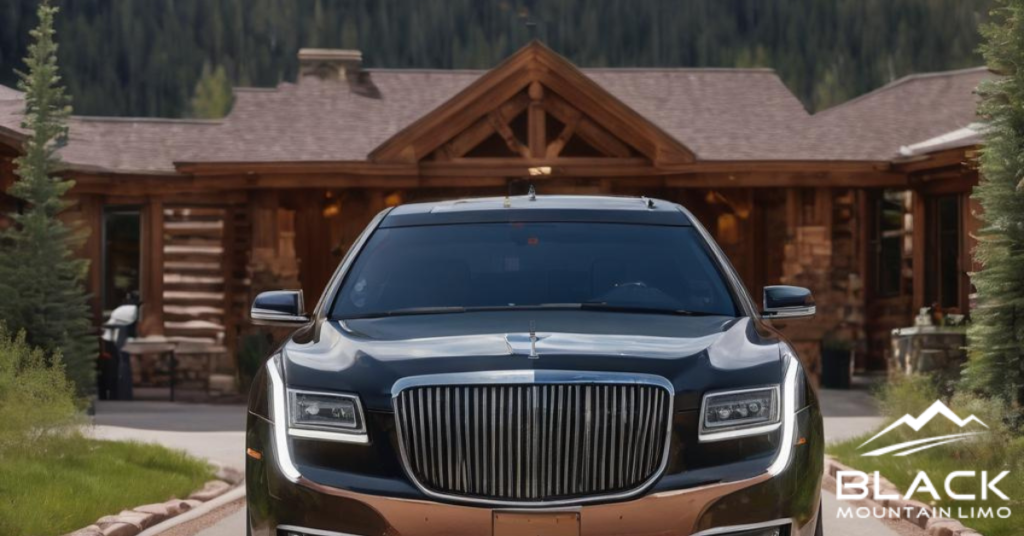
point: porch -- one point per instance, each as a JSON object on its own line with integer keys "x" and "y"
{"x": 216, "y": 212}
{"x": 199, "y": 264}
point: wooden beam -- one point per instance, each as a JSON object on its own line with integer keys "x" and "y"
{"x": 956, "y": 158}
{"x": 968, "y": 228}
{"x": 949, "y": 181}
{"x": 614, "y": 116}
{"x": 588, "y": 130}
{"x": 153, "y": 268}
{"x": 823, "y": 209}
{"x": 532, "y": 63}
{"x": 782, "y": 179}
{"x": 466, "y": 141}
{"x": 511, "y": 167}
{"x": 206, "y": 169}
{"x": 536, "y": 120}
{"x": 554, "y": 148}
{"x": 232, "y": 314}
{"x": 788, "y": 166}
{"x": 230, "y": 189}
{"x": 476, "y": 100}
{"x": 865, "y": 254}
{"x": 91, "y": 208}
{"x": 376, "y": 169}
{"x": 794, "y": 214}
{"x": 480, "y": 130}
{"x": 500, "y": 125}
{"x": 196, "y": 187}
{"x": 919, "y": 239}
{"x": 426, "y": 135}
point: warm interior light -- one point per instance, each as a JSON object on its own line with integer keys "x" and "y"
{"x": 728, "y": 230}
{"x": 332, "y": 209}
{"x": 538, "y": 171}
{"x": 393, "y": 199}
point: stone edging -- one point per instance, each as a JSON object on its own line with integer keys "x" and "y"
{"x": 132, "y": 522}
{"x": 935, "y": 526}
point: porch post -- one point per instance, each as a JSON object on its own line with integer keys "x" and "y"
{"x": 153, "y": 268}
{"x": 273, "y": 263}
{"x": 918, "y": 239}
{"x": 91, "y": 207}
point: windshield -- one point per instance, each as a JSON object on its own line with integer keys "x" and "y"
{"x": 487, "y": 266}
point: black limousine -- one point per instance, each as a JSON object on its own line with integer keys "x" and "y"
{"x": 534, "y": 365}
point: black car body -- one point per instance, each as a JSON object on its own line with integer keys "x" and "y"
{"x": 542, "y": 365}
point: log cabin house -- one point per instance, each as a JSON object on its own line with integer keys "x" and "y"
{"x": 866, "y": 203}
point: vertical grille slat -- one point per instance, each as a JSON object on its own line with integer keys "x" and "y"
{"x": 533, "y": 442}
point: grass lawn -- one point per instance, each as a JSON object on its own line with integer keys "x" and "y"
{"x": 74, "y": 481}
{"x": 994, "y": 453}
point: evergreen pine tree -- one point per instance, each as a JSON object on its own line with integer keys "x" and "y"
{"x": 40, "y": 280}
{"x": 213, "y": 94}
{"x": 997, "y": 334}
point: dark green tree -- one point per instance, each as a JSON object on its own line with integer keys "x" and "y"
{"x": 40, "y": 279}
{"x": 213, "y": 95}
{"x": 126, "y": 57}
{"x": 997, "y": 334}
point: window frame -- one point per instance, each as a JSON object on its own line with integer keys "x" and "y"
{"x": 139, "y": 212}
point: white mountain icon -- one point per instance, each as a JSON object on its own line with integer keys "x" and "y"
{"x": 916, "y": 423}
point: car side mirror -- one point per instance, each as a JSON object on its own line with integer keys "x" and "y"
{"x": 783, "y": 301}
{"x": 279, "y": 308}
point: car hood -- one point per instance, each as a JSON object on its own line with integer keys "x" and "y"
{"x": 696, "y": 354}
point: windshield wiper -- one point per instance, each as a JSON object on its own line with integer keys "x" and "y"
{"x": 585, "y": 306}
{"x": 611, "y": 307}
{"x": 409, "y": 311}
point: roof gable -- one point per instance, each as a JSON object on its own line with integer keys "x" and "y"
{"x": 555, "y": 106}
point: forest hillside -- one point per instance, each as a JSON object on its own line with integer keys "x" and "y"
{"x": 180, "y": 57}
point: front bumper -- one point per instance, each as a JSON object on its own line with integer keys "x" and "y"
{"x": 790, "y": 498}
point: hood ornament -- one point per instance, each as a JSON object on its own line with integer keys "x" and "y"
{"x": 533, "y": 341}
{"x": 525, "y": 344}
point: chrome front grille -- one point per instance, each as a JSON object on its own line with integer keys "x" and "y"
{"x": 533, "y": 442}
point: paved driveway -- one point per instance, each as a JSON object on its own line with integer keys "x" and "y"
{"x": 217, "y": 432}
{"x": 850, "y": 413}
{"x": 213, "y": 432}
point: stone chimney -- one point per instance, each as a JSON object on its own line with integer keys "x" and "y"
{"x": 330, "y": 64}
{"x": 338, "y": 65}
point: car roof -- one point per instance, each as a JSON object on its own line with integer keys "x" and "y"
{"x": 540, "y": 208}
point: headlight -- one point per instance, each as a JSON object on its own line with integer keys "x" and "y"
{"x": 739, "y": 413}
{"x": 329, "y": 416}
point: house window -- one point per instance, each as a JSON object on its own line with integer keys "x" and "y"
{"x": 122, "y": 250}
{"x": 943, "y": 272}
{"x": 889, "y": 231}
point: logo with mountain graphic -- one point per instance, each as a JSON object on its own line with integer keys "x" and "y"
{"x": 917, "y": 423}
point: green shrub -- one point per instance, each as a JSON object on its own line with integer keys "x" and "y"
{"x": 907, "y": 394}
{"x": 914, "y": 394}
{"x": 999, "y": 449}
{"x": 36, "y": 399}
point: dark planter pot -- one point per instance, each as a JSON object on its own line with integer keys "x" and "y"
{"x": 835, "y": 368}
